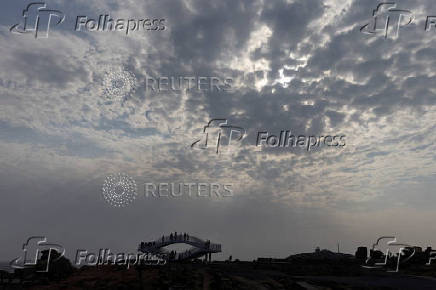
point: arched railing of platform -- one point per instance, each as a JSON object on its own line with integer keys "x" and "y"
{"x": 199, "y": 247}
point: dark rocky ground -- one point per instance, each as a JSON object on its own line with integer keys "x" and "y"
{"x": 235, "y": 275}
{"x": 302, "y": 271}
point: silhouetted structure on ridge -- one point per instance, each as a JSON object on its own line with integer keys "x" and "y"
{"x": 199, "y": 247}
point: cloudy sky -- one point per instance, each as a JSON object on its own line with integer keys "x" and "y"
{"x": 74, "y": 108}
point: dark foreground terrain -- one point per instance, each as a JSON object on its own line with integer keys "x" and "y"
{"x": 319, "y": 270}
{"x": 231, "y": 275}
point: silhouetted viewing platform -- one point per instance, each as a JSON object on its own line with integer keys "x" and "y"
{"x": 199, "y": 247}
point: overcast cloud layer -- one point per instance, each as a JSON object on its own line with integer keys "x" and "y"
{"x": 60, "y": 134}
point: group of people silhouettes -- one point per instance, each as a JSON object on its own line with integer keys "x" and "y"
{"x": 175, "y": 237}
